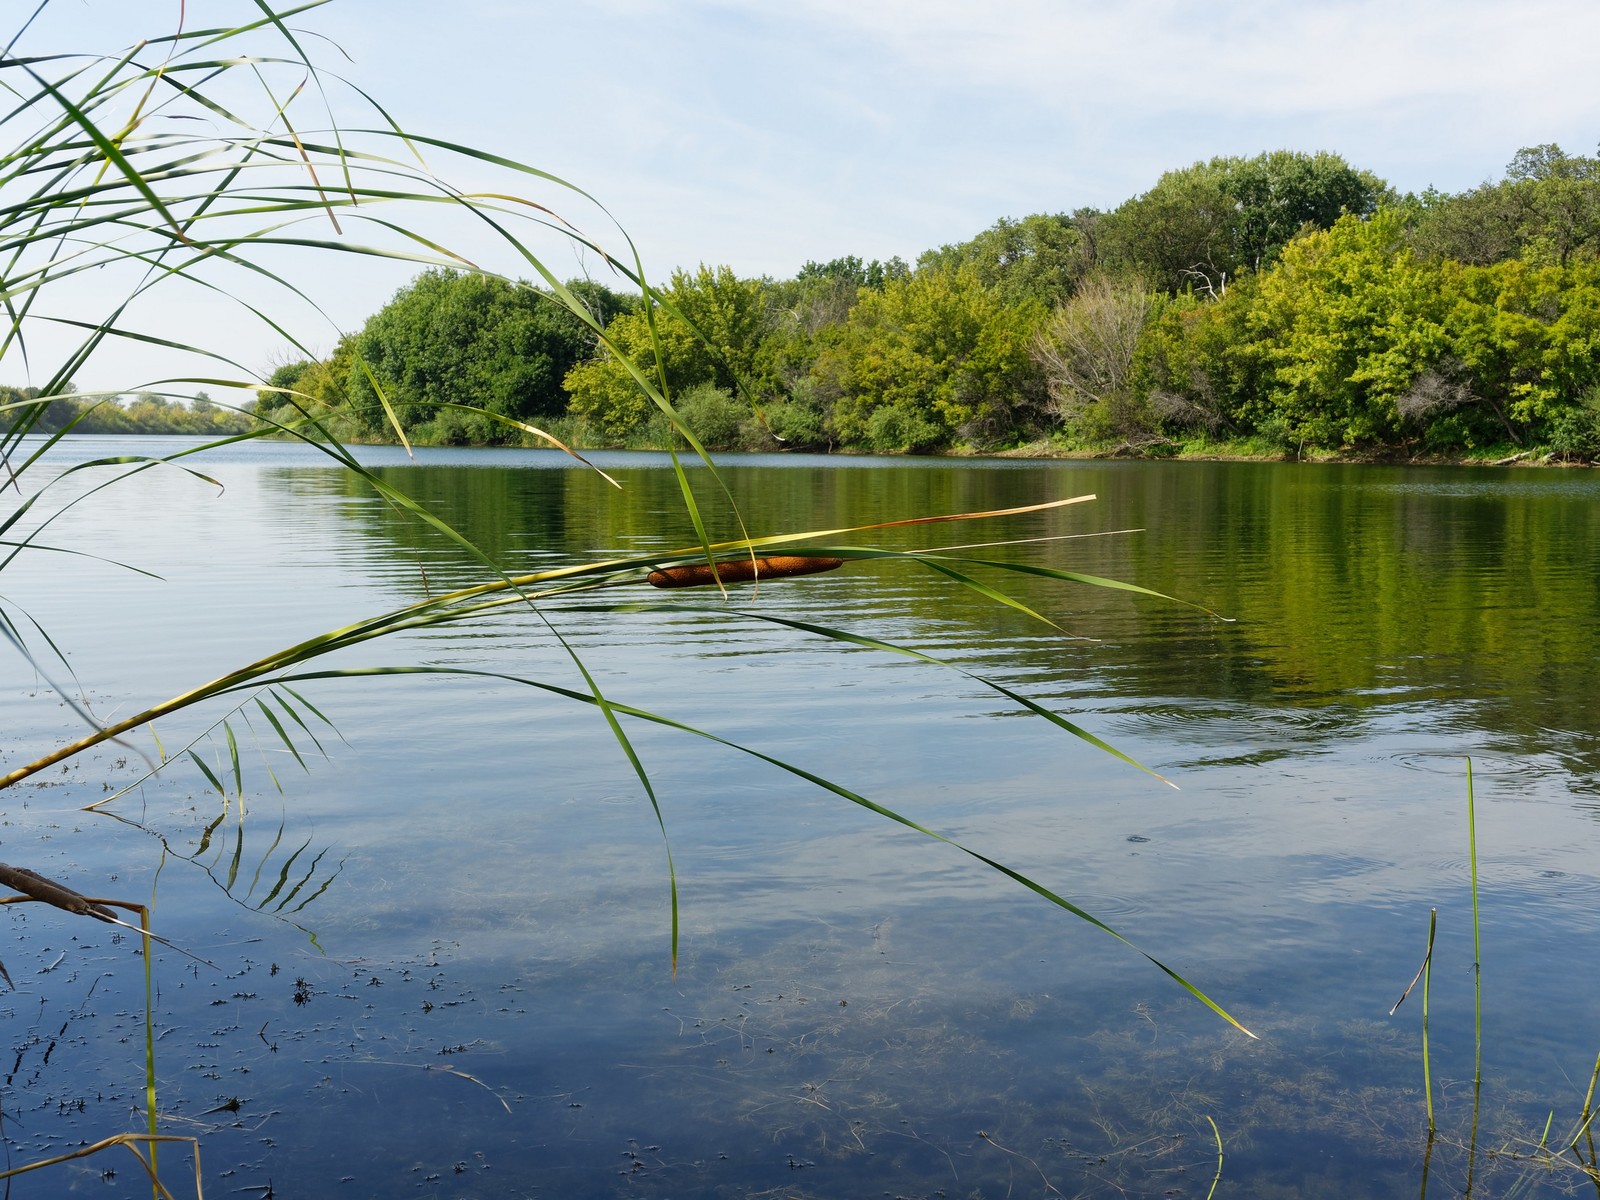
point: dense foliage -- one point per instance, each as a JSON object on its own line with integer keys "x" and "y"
{"x": 1286, "y": 303}
{"x": 933, "y": 358}
{"x": 457, "y": 358}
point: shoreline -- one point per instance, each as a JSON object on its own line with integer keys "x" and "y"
{"x": 1386, "y": 457}
{"x": 1389, "y": 457}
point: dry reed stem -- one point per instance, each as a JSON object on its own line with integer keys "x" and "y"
{"x": 48, "y": 891}
{"x": 34, "y": 886}
{"x": 123, "y": 1139}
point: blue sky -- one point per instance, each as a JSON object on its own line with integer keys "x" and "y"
{"x": 763, "y": 134}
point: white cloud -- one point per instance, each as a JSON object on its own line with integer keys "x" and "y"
{"x": 760, "y": 134}
{"x": 1240, "y": 59}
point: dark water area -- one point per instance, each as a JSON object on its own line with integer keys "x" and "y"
{"x": 442, "y": 943}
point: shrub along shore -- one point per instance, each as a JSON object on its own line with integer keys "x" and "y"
{"x": 1283, "y": 306}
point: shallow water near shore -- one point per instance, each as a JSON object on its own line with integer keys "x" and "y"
{"x": 442, "y": 950}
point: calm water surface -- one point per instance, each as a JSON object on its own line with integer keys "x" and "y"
{"x": 443, "y": 945}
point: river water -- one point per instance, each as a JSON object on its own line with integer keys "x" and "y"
{"x": 440, "y": 933}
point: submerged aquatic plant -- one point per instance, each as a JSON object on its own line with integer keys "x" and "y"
{"x": 202, "y": 159}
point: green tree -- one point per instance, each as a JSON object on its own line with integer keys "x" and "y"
{"x": 1202, "y": 226}
{"x": 1198, "y": 365}
{"x": 56, "y": 415}
{"x": 317, "y": 388}
{"x": 1546, "y": 209}
{"x": 715, "y": 417}
{"x": 822, "y": 294}
{"x": 1574, "y": 433}
{"x": 727, "y": 319}
{"x": 852, "y": 270}
{"x": 1352, "y": 337}
{"x": 1562, "y": 202}
{"x": 1482, "y": 226}
{"x": 710, "y": 331}
{"x": 1344, "y": 325}
{"x": 1523, "y": 346}
{"x": 807, "y": 318}
{"x": 467, "y": 339}
{"x": 1280, "y": 194}
{"x": 602, "y": 392}
{"x": 932, "y": 359}
{"x": 1041, "y": 257}
{"x": 807, "y": 315}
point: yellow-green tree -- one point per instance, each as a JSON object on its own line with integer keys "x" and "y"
{"x": 1344, "y": 325}
{"x": 1524, "y": 343}
{"x": 932, "y": 359}
{"x": 709, "y": 331}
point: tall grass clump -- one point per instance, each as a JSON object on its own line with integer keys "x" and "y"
{"x": 208, "y": 162}
{"x": 1573, "y": 1149}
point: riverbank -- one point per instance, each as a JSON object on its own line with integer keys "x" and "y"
{"x": 1492, "y": 456}
{"x": 1504, "y": 455}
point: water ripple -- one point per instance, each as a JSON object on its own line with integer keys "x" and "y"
{"x": 1483, "y": 765}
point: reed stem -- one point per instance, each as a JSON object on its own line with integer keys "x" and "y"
{"x": 1427, "y": 982}
{"x": 1477, "y": 987}
{"x": 1216, "y": 1179}
{"x": 1477, "y": 942}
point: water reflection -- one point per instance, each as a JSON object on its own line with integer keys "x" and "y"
{"x": 1355, "y": 589}
{"x": 853, "y": 1005}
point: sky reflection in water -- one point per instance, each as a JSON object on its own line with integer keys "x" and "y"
{"x": 856, "y": 1010}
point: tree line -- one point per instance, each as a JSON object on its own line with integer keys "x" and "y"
{"x": 146, "y": 412}
{"x": 1283, "y": 303}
